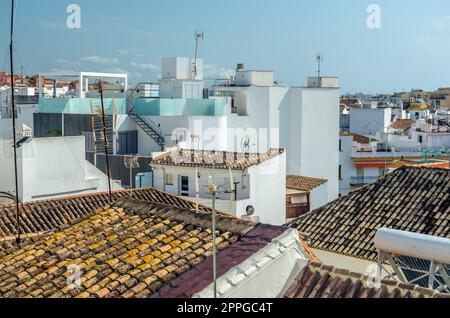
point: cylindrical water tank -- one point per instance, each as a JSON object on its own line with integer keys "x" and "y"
{"x": 415, "y": 245}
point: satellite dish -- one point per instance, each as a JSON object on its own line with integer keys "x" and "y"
{"x": 245, "y": 144}
{"x": 250, "y": 210}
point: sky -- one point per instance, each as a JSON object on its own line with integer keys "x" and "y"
{"x": 411, "y": 49}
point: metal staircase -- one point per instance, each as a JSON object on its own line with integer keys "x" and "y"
{"x": 145, "y": 123}
{"x": 99, "y": 136}
{"x": 444, "y": 123}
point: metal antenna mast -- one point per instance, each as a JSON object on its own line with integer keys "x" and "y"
{"x": 319, "y": 60}
{"x": 13, "y": 106}
{"x": 105, "y": 140}
{"x": 198, "y": 36}
{"x": 213, "y": 189}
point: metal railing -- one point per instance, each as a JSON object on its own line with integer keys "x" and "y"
{"x": 140, "y": 86}
{"x": 297, "y": 209}
{"x": 363, "y": 180}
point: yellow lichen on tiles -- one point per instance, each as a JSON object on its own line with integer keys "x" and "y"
{"x": 145, "y": 266}
{"x": 175, "y": 243}
{"x": 164, "y": 256}
{"x": 147, "y": 258}
{"x": 208, "y": 246}
{"x": 178, "y": 228}
{"x": 193, "y": 240}
{"x": 165, "y": 248}
{"x": 184, "y": 245}
{"x": 143, "y": 247}
{"x": 162, "y": 273}
{"x": 150, "y": 280}
{"x": 154, "y": 262}
{"x": 175, "y": 250}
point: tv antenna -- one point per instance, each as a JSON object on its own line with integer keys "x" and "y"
{"x": 131, "y": 162}
{"x": 199, "y": 35}
{"x": 13, "y": 108}
{"x": 319, "y": 61}
{"x": 105, "y": 139}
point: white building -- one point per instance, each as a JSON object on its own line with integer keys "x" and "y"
{"x": 364, "y": 160}
{"x": 257, "y": 180}
{"x": 369, "y": 121}
{"x": 26, "y": 106}
{"x": 251, "y": 113}
{"x": 302, "y": 120}
{"x": 50, "y": 168}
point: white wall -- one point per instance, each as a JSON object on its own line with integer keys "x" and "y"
{"x": 212, "y": 132}
{"x": 319, "y": 197}
{"x": 353, "y": 264}
{"x": 319, "y": 138}
{"x": 369, "y": 121}
{"x": 25, "y": 116}
{"x": 304, "y": 121}
{"x": 264, "y": 187}
{"x": 348, "y": 168}
{"x": 268, "y": 190}
{"x": 54, "y": 167}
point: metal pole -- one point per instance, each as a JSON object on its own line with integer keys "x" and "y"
{"x": 214, "y": 245}
{"x": 318, "y": 73}
{"x": 13, "y": 106}
{"x": 131, "y": 174}
{"x": 195, "y": 55}
{"x": 105, "y": 141}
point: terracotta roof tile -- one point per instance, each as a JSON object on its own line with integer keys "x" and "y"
{"x": 321, "y": 281}
{"x": 409, "y": 199}
{"x": 402, "y": 124}
{"x": 40, "y": 217}
{"x": 129, "y": 250}
{"x": 406, "y": 163}
{"x": 218, "y": 159}
{"x": 303, "y": 183}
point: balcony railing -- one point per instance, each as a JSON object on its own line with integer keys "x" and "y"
{"x": 296, "y": 210}
{"x": 363, "y": 180}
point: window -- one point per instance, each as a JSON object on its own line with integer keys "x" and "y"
{"x": 420, "y": 139}
{"x": 340, "y": 172}
{"x": 340, "y": 145}
{"x": 128, "y": 143}
{"x": 169, "y": 179}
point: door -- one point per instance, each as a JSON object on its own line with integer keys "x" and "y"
{"x": 128, "y": 142}
{"x": 184, "y": 186}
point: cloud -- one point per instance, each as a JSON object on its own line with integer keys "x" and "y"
{"x": 442, "y": 22}
{"x": 145, "y": 67}
{"x": 116, "y": 70}
{"x": 127, "y": 51}
{"x": 100, "y": 60}
{"x": 215, "y": 71}
{"x": 68, "y": 63}
{"x": 62, "y": 71}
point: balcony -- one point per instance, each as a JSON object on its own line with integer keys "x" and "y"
{"x": 180, "y": 107}
{"x": 296, "y": 210}
{"x": 82, "y": 106}
{"x": 358, "y": 181}
{"x": 141, "y": 106}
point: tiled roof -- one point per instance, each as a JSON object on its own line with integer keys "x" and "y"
{"x": 43, "y": 216}
{"x": 322, "y": 281}
{"x": 131, "y": 250}
{"x": 402, "y": 124}
{"x": 362, "y": 139}
{"x": 409, "y": 199}
{"x": 217, "y": 159}
{"x": 199, "y": 277}
{"x": 406, "y": 163}
{"x": 303, "y": 183}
